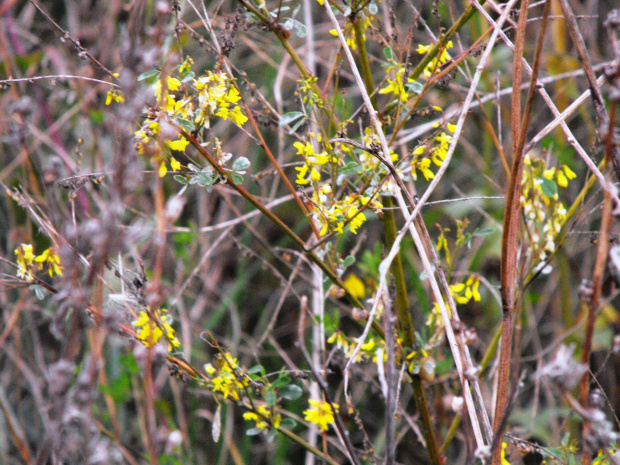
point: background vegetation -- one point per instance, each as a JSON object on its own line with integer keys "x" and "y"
{"x": 204, "y": 248}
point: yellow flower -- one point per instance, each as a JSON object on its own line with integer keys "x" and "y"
{"x": 175, "y": 164}
{"x": 422, "y": 49}
{"x": 260, "y": 417}
{"x": 230, "y": 379}
{"x": 149, "y": 332}
{"x": 114, "y": 95}
{"x": 301, "y": 175}
{"x": 52, "y": 260}
{"x": 424, "y": 167}
{"x": 320, "y": 413}
{"x": 238, "y": 117}
{"x": 25, "y": 257}
{"x": 187, "y": 65}
{"x": 178, "y": 145}
{"x": 504, "y": 459}
{"x": 355, "y": 286}
{"x": 173, "y": 83}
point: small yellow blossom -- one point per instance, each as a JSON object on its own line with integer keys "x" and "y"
{"x": 227, "y": 377}
{"x": 178, "y": 145}
{"x": 25, "y": 257}
{"x": 320, "y": 413}
{"x": 163, "y": 169}
{"x": 52, "y": 260}
{"x": 260, "y": 417}
{"x": 173, "y": 83}
{"x": 149, "y": 331}
{"x": 114, "y": 95}
{"x": 355, "y": 286}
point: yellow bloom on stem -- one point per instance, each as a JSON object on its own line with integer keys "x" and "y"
{"x": 302, "y": 172}
{"x": 25, "y": 257}
{"x": 52, "y": 260}
{"x": 163, "y": 169}
{"x": 260, "y": 417}
{"x": 355, "y": 286}
{"x": 149, "y": 332}
{"x": 227, "y": 378}
{"x": 178, "y": 144}
{"x": 320, "y": 413}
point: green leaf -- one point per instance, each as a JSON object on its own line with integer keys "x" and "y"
{"x": 241, "y": 164}
{"x": 270, "y": 398}
{"x": 415, "y": 87}
{"x": 291, "y": 392}
{"x": 130, "y": 363}
{"x": 282, "y": 381}
{"x": 288, "y": 423}
{"x": 299, "y": 28}
{"x": 288, "y": 118}
{"x": 297, "y": 125}
{"x": 180, "y": 178}
{"x": 350, "y": 260}
{"x": 237, "y": 178}
{"x": 148, "y": 75}
{"x": 483, "y": 232}
{"x": 350, "y": 168}
{"x": 387, "y": 51}
{"x": 188, "y": 125}
{"x": 549, "y": 188}
{"x": 188, "y": 77}
{"x": 253, "y": 431}
{"x": 39, "y": 291}
{"x": 257, "y": 369}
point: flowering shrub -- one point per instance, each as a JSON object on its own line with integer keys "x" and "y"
{"x": 309, "y": 232}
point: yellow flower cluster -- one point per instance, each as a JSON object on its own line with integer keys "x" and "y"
{"x": 151, "y": 326}
{"x": 437, "y": 153}
{"x": 212, "y": 94}
{"x": 434, "y": 65}
{"x": 368, "y": 350}
{"x": 216, "y": 96}
{"x": 310, "y": 171}
{"x": 397, "y": 85}
{"x": 544, "y": 212}
{"x": 320, "y": 413}
{"x": 329, "y": 213}
{"x": 261, "y": 416}
{"x": 26, "y": 262}
{"x": 462, "y": 293}
{"x": 226, "y": 376}
{"x": 332, "y": 214}
{"x": 114, "y": 95}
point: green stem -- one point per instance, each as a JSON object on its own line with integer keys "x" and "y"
{"x": 402, "y": 300}
{"x": 293, "y": 437}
